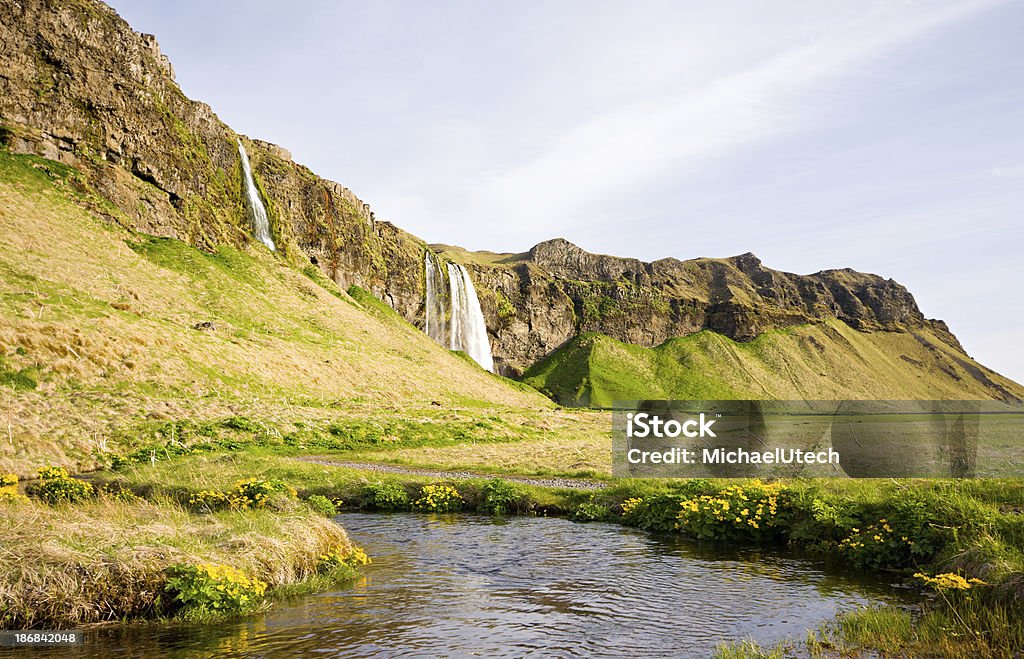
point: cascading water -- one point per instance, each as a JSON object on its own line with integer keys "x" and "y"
{"x": 453, "y": 315}
{"x": 257, "y": 212}
{"x": 437, "y": 307}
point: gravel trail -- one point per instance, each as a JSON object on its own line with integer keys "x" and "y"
{"x": 541, "y": 481}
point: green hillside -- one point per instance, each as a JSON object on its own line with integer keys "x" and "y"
{"x": 111, "y": 339}
{"x": 824, "y": 361}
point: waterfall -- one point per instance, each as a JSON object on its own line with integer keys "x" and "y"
{"x": 437, "y": 308}
{"x": 453, "y": 315}
{"x": 469, "y": 332}
{"x": 257, "y": 212}
{"x": 458, "y": 289}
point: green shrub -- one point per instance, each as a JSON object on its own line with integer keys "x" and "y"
{"x": 63, "y": 490}
{"x": 499, "y": 497}
{"x": 439, "y": 498}
{"x": 53, "y": 472}
{"x": 821, "y": 521}
{"x": 755, "y": 510}
{"x": 876, "y": 545}
{"x": 903, "y": 533}
{"x": 322, "y": 505}
{"x": 118, "y": 492}
{"x": 242, "y": 423}
{"x": 695, "y": 487}
{"x": 256, "y": 492}
{"x": 25, "y": 379}
{"x": 208, "y": 589}
{"x": 58, "y": 487}
{"x": 353, "y": 557}
{"x": 657, "y": 513}
{"x": 210, "y": 500}
{"x": 590, "y": 511}
{"x": 386, "y": 495}
{"x": 247, "y": 494}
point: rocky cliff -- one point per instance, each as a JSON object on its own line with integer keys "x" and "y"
{"x": 78, "y": 85}
{"x": 538, "y": 300}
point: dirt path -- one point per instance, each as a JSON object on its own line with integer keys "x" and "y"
{"x": 541, "y": 481}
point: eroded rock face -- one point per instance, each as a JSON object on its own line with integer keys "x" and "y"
{"x": 646, "y": 303}
{"x": 78, "y": 85}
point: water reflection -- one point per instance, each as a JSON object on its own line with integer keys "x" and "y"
{"x": 472, "y": 586}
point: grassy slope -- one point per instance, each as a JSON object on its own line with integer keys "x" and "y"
{"x": 104, "y": 322}
{"x": 827, "y": 361}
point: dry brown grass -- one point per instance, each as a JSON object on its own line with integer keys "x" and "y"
{"x": 105, "y": 560}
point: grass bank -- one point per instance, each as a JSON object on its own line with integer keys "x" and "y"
{"x": 957, "y": 626}
{"x": 115, "y": 557}
{"x": 975, "y": 526}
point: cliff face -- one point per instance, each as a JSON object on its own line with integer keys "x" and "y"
{"x": 78, "y": 85}
{"x": 538, "y": 300}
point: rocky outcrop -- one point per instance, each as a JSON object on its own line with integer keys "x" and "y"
{"x": 539, "y": 300}
{"x": 78, "y": 85}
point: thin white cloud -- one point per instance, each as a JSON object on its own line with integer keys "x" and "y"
{"x": 1016, "y": 171}
{"x": 614, "y": 151}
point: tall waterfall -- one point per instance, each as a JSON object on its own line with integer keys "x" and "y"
{"x": 257, "y": 212}
{"x": 437, "y": 307}
{"x": 453, "y": 315}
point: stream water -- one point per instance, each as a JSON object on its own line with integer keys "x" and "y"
{"x": 464, "y": 585}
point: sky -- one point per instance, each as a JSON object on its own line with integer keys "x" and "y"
{"x": 883, "y": 136}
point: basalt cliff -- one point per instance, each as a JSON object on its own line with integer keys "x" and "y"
{"x": 79, "y": 86}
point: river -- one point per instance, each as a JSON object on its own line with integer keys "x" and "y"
{"x": 466, "y": 585}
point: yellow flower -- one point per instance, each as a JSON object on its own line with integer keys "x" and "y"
{"x": 948, "y": 581}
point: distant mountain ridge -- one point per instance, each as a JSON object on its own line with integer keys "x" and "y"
{"x": 542, "y": 298}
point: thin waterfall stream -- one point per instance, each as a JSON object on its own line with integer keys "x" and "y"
{"x": 257, "y": 211}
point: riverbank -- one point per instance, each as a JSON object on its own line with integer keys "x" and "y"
{"x": 116, "y": 556}
{"x": 953, "y": 629}
{"x": 972, "y": 529}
